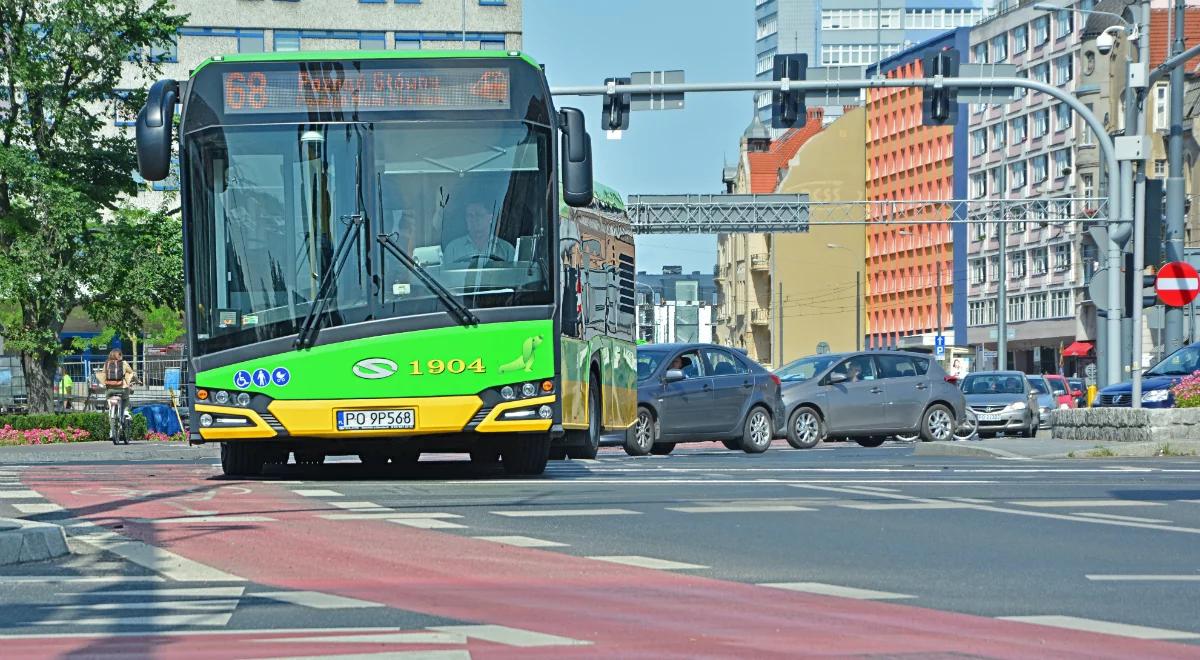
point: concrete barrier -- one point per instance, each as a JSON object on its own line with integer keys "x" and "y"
{"x": 25, "y": 541}
{"x": 1127, "y": 424}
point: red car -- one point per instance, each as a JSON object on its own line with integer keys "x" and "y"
{"x": 1063, "y": 394}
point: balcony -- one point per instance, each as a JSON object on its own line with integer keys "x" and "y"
{"x": 760, "y": 317}
{"x": 760, "y": 263}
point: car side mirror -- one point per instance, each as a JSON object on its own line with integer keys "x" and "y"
{"x": 673, "y": 376}
{"x": 837, "y": 378}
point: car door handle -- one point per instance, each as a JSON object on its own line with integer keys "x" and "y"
{"x": 707, "y": 387}
{"x": 876, "y": 390}
{"x": 747, "y": 384}
{"x": 922, "y": 386}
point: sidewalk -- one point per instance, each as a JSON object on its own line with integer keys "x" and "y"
{"x": 1053, "y": 448}
{"x": 69, "y": 452}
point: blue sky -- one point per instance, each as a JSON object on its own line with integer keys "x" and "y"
{"x": 582, "y": 42}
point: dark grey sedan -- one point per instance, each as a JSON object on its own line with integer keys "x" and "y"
{"x": 703, "y": 392}
{"x": 1004, "y": 401}
{"x": 868, "y": 396}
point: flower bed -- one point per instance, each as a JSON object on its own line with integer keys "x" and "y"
{"x": 57, "y": 428}
{"x": 1187, "y": 392}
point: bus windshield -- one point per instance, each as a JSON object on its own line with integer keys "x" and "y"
{"x": 468, "y": 201}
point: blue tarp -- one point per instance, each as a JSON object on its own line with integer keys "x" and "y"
{"x": 159, "y": 417}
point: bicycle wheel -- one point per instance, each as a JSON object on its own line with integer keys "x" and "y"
{"x": 968, "y": 427}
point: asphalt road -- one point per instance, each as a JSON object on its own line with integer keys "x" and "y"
{"x": 707, "y": 552}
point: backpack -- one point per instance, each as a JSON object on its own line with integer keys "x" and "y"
{"x": 114, "y": 373}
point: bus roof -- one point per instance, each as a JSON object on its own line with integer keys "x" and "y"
{"x": 325, "y": 55}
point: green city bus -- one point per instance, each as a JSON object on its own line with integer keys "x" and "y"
{"x": 382, "y": 258}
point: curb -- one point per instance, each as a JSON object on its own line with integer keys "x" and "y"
{"x": 24, "y": 541}
{"x": 943, "y": 448}
{"x": 1184, "y": 449}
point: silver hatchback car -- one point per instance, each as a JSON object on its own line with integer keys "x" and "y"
{"x": 868, "y": 396}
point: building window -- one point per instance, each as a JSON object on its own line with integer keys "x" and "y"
{"x": 1037, "y": 167}
{"x": 1089, "y": 185}
{"x": 1041, "y": 260}
{"x": 1041, "y": 73}
{"x": 940, "y": 19}
{"x": 1160, "y": 167}
{"x": 372, "y": 41}
{"x": 1017, "y": 130}
{"x": 978, "y": 271}
{"x": 1020, "y": 39}
{"x": 172, "y": 181}
{"x": 372, "y": 2}
{"x": 1064, "y": 69}
{"x": 855, "y": 54}
{"x": 287, "y": 42}
{"x": 979, "y": 53}
{"x": 1062, "y": 257}
{"x": 1063, "y": 116}
{"x": 1064, "y": 21}
{"x": 978, "y": 186}
{"x": 860, "y": 19}
{"x": 1016, "y": 175}
{"x": 767, "y": 27}
{"x": 1000, "y": 48}
{"x": 408, "y": 40}
{"x": 251, "y": 41}
{"x": 766, "y": 62}
{"x": 492, "y": 3}
{"x": 993, "y": 268}
{"x": 981, "y": 312}
{"x": 1037, "y": 306}
{"x": 1085, "y": 134}
{"x": 123, "y": 113}
{"x": 168, "y": 52}
{"x": 979, "y": 143}
{"x": 995, "y": 183}
{"x": 1161, "y": 108}
{"x": 1016, "y": 308}
{"x": 1041, "y": 123}
{"x": 1060, "y": 304}
{"x": 1041, "y": 30}
{"x": 997, "y": 135}
{"x": 1062, "y": 163}
{"x": 1016, "y": 266}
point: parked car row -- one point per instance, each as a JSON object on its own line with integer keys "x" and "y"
{"x": 704, "y": 392}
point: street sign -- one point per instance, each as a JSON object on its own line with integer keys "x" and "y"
{"x": 1177, "y": 284}
{"x": 657, "y": 101}
{"x": 939, "y": 346}
{"x": 1098, "y": 287}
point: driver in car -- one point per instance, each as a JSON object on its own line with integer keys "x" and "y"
{"x": 481, "y": 244}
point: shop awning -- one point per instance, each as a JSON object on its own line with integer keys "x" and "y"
{"x": 1078, "y": 349}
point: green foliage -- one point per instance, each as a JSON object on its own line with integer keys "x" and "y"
{"x": 163, "y": 325}
{"x": 95, "y": 423}
{"x": 68, "y": 236}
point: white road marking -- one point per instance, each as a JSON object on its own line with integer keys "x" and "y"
{"x": 647, "y": 562}
{"x": 358, "y": 505}
{"x": 56, "y": 579}
{"x": 315, "y": 600}
{"x": 901, "y": 506}
{"x": 19, "y": 495}
{"x": 555, "y": 513}
{"x": 1144, "y": 578}
{"x": 882, "y": 490}
{"x": 511, "y": 636}
{"x": 154, "y": 558}
{"x": 379, "y": 638}
{"x": 426, "y": 523}
{"x": 1106, "y": 627}
{"x": 740, "y": 508}
{"x": 522, "y": 541}
{"x": 317, "y": 492}
{"x": 180, "y": 606}
{"x": 33, "y": 509}
{"x": 185, "y": 520}
{"x": 969, "y": 500}
{"x": 1110, "y": 516}
{"x": 385, "y": 655}
{"x": 210, "y": 619}
{"x": 194, "y": 592}
{"x": 1081, "y": 504}
{"x": 388, "y": 515}
{"x": 836, "y": 590}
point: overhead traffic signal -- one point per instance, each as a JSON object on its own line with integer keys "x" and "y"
{"x": 787, "y": 108}
{"x": 940, "y": 104}
{"x": 616, "y": 106}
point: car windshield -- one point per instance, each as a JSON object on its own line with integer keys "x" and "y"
{"x": 647, "y": 363}
{"x": 1057, "y": 386}
{"x": 805, "y": 368}
{"x": 993, "y": 384}
{"x": 1183, "y": 362}
{"x": 1039, "y": 386}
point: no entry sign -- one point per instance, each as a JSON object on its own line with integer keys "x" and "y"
{"x": 1177, "y": 284}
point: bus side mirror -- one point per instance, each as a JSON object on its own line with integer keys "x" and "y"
{"x": 576, "y": 157}
{"x": 154, "y": 124}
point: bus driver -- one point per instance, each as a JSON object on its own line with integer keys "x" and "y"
{"x": 480, "y": 243}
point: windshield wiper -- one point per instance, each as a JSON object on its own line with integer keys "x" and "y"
{"x": 311, "y": 325}
{"x": 459, "y": 311}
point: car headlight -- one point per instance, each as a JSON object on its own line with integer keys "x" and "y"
{"x": 1063, "y": 406}
{"x": 1017, "y": 405}
{"x": 1155, "y": 396}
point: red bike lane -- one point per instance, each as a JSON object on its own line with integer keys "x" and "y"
{"x": 618, "y": 610}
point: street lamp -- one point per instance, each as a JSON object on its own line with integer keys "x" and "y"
{"x": 857, "y": 297}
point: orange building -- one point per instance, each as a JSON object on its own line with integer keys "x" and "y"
{"x": 912, "y": 170}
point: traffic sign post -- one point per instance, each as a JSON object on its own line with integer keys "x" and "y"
{"x": 939, "y": 346}
{"x": 1177, "y": 284}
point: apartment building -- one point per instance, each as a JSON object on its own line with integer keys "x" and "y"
{"x": 675, "y": 306}
{"x": 1027, "y": 149}
{"x": 915, "y": 273}
{"x": 848, "y": 32}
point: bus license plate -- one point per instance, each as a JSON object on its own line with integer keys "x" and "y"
{"x": 364, "y": 420}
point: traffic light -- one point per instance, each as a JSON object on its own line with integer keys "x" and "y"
{"x": 1135, "y": 287}
{"x": 787, "y": 108}
{"x": 940, "y": 105}
{"x": 1152, "y": 244}
{"x": 616, "y": 106}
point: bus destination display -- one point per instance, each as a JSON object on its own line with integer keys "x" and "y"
{"x": 335, "y": 88}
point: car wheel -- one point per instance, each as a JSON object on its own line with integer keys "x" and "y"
{"x": 757, "y": 431}
{"x": 873, "y": 441}
{"x": 662, "y": 448}
{"x": 733, "y": 444}
{"x": 937, "y": 424}
{"x": 639, "y": 440}
{"x": 590, "y": 437}
{"x": 805, "y": 429}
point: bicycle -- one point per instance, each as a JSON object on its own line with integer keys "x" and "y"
{"x": 967, "y": 429}
{"x": 120, "y": 425}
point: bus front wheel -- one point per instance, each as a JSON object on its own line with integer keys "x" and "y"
{"x": 526, "y": 454}
{"x": 240, "y": 459}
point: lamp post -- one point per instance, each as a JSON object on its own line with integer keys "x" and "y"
{"x": 857, "y": 297}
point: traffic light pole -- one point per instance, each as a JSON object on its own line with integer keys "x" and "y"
{"x": 1120, "y": 211}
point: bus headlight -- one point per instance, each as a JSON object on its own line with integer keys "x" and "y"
{"x": 221, "y": 397}
{"x": 528, "y": 390}
{"x": 206, "y": 420}
{"x": 507, "y": 393}
{"x": 243, "y": 399}
{"x": 545, "y": 412}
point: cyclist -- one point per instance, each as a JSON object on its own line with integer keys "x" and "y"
{"x": 117, "y": 378}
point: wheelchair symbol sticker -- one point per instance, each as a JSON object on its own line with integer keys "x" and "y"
{"x": 241, "y": 379}
{"x": 262, "y": 378}
{"x": 280, "y": 376}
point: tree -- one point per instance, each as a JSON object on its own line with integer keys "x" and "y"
{"x": 69, "y": 236}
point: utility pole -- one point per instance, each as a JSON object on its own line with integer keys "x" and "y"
{"x": 1002, "y": 288}
{"x": 858, "y": 309}
{"x": 1173, "y": 330}
{"x": 941, "y": 327}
